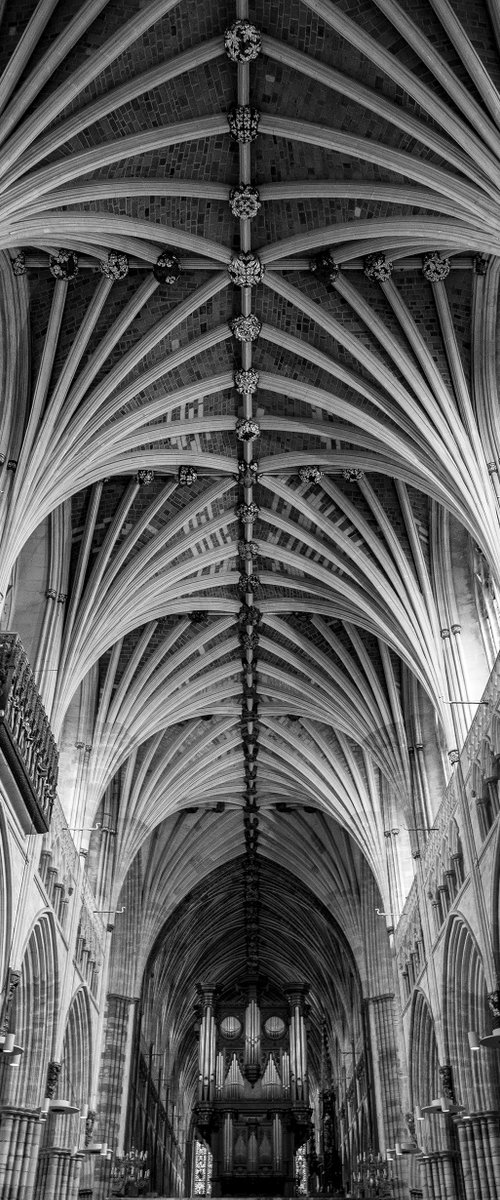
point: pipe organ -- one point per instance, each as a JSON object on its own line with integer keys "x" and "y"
{"x": 253, "y": 1106}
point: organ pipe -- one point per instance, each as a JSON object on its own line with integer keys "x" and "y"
{"x": 252, "y": 1034}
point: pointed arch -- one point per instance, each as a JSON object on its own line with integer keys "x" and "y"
{"x": 475, "y": 1076}
{"x": 36, "y": 1012}
{"x": 5, "y": 906}
{"x": 423, "y": 1053}
{"x": 76, "y": 1061}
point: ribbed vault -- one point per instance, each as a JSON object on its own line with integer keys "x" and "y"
{"x": 243, "y": 624}
{"x": 298, "y": 939}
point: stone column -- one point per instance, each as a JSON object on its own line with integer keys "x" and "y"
{"x": 385, "y": 1067}
{"x": 58, "y": 1175}
{"x": 113, "y": 1080}
{"x": 439, "y": 1176}
{"x": 19, "y": 1142}
{"x": 479, "y": 1140}
{"x": 59, "y": 1163}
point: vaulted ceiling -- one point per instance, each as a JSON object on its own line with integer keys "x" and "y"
{"x": 301, "y": 575}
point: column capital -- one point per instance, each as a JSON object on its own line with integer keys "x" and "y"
{"x": 296, "y": 994}
{"x": 15, "y": 1110}
{"x": 207, "y": 993}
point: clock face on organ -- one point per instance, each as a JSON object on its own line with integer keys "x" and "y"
{"x": 230, "y": 1027}
{"x": 275, "y": 1027}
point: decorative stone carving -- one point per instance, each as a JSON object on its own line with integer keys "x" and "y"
{"x": 324, "y": 267}
{"x": 246, "y": 270}
{"x": 53, "y": 1072}
{"x": 243, "y": 121}
{"x": 310, "y": 474}
{"x": 481, "y": 264}
{"x": 246, "y": 381}
{"x": 250, "y": 714}
{"x": 435, "y": 266}
{"x": 250, "y": 641}
{"x": 377, "y": 266}
{"x": 167, "y": 268}
{"x": 246, "y": 329}
{"x": 494, "y": 1005}
{"x": 250, "y": 738}
{"x": 244, "y": 201}
{"x": 447, "y": 1082}
{"x": 248, "y": 583}
{"x": 410, "y": 1125}
{"x": 19, "y": 263}
{"x": 247, "y": 429}
{"x": 89, "y": 1127}
{"x": 242, "y": 42}
{"x": 203, "y": 1114}
{"x": 116, "y": 265}
{"x": 10, "y": 988}
{"x": 187, "y": 476}
{"x": 352, "y": 474}
{"x": 247, "y": 512}
{"x": 249, "y": 615}
{"x": 248, "y": 473}
{"x": 64, "y": 265}
{"x": 247, "y": 550}
{"x": 145, "y": 477}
